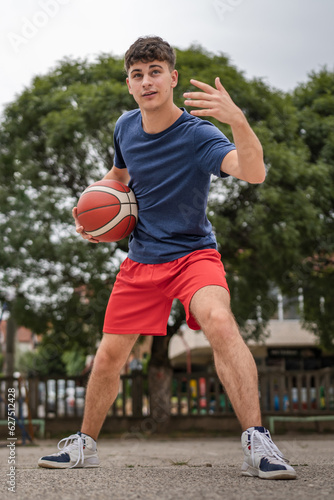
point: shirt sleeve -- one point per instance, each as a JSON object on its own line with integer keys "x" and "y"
{"x": 118, "y": 158}
{"x": 211, "y": 147}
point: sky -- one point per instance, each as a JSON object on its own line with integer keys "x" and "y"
{"x": 280, "y": 41}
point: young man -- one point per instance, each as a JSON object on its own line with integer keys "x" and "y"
{"x": 168, "y": 156}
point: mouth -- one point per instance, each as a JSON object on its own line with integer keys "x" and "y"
{"x": 149, "y": 94}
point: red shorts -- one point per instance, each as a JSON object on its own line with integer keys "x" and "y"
{"x": 143, "y": 294}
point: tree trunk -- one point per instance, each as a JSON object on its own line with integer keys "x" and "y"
{"x": 10, "y": 347}
{"x": 160, "y": 375}
{"x": 159, "y": 386}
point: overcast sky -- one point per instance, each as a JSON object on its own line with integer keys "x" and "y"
{"x": 280, "y": 41}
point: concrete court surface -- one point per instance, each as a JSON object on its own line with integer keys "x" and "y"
{"x": 171, "y": 469}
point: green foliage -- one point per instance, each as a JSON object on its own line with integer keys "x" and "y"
{"x": 74, "y": 361}
{"x": 315, "y": 104}
{"x": 42, "y": 362}
{"x": 57, "y": 137}
{"x": 281, "y": 233}
{"x": 50, "y": 358}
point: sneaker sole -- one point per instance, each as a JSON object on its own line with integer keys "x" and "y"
{"x": 54, "y": 465}
{"x": 279, "y": 474}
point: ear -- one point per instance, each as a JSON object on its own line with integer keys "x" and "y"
{"x": 129, "y": 86}
{"x": 175, "y": 78}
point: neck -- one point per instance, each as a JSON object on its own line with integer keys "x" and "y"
{"x": 158, "y": 120}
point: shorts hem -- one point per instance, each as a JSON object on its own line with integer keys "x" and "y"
{"x": 120, "y": 332}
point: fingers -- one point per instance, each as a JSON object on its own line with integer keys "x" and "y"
{"x": 207, "y": 98}
{"x": 78, "y": 226}
{"x": 86, "y": 236}
{"x": 203, "y": 86}
{"x": 199, "y": 99}
{"x": 207, "y": 88}
{"x": 90, "y": 238}
{"x": 75, "y": 212}
{"x": 198, "y": 95}
{"x": 80, "y": 229}
{"x": 75, "y": 216}
{"x": 197, "y": 103}
{"x": 218, "y": 84}
{"x": 202, "y": 112}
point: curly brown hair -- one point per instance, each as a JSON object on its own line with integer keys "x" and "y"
{"x": 147, "y": 49}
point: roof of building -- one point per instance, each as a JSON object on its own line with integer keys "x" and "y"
{"x": 23, "y": 334}
{"x": 286, "y": 333}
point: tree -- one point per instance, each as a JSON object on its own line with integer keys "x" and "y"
{"x": 55, "y": 139}
{"x": 315, "y": 104}
{"x": 280, "y": 234}
{"x": 160, "y": 372}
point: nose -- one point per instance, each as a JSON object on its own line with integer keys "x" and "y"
{"x": 146, "y": 81}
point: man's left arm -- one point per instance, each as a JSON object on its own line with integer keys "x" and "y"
{"x": 246, "y": 162}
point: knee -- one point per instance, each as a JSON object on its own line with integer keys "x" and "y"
{"x": 220, "y": 326}
{"x": 218, "y": 318}
{"x": 106, "y": 362}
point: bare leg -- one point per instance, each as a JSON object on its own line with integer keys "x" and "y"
{"x": 103, "y": 384}
{"x": 234, "y": 362}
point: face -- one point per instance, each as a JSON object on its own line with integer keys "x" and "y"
{"x": 151, "y": 84}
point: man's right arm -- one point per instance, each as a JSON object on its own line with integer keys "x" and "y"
{"x": 118, "y": 174}
{"x": 115, "y": 174}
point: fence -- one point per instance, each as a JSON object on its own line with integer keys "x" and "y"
{"x": 289, "y": 394}
{"x": 307, "y": 392}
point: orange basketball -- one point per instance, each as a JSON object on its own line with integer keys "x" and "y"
{"x": 108, "y": 210}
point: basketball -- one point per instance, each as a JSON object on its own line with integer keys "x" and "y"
{"x": 108, "y": 210}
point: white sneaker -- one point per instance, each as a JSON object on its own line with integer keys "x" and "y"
{"x": 78, "y": 450}
{"x": 262, "y": 457}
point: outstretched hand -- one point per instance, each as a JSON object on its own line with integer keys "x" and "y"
{"x": 216, "y": 102}
{"x": 80, "y": 229}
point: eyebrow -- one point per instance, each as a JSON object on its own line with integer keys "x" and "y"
{"x": 150, "y": 67}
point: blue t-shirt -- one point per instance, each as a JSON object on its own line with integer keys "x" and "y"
{"x": 170, "y": 175}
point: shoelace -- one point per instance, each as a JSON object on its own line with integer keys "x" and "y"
{"x": 263, "y": 445}
{"x": 71, "y": 441}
